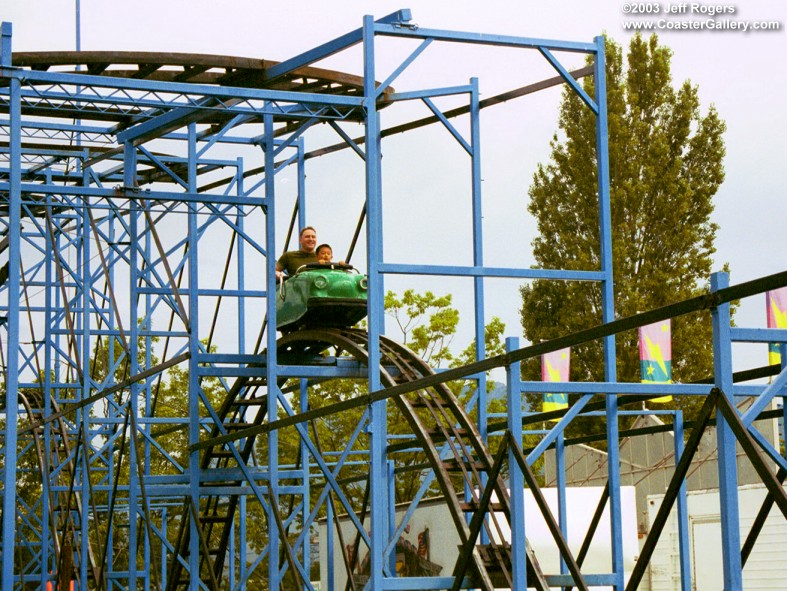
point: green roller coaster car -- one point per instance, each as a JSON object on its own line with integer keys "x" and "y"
{"x": 331, "y": 295}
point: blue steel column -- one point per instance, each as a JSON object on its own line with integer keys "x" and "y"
{"x": 329, "y": 550}
{"x": 113, "y": 412}
{"x": 560, "y": 478}
{"x": 378, "y": 423}
{"x": 243, "y": 575}
{"x": 47, "y": 536}
{"x": 163, "y": 565}
{"x": 145, "y": 453}
{"x": 305, "y": 484}
{"x": 726, "y": 443}
{"x": 12, "y": 365}
{"x": 608, "y": 308}
{"x": 301, "y": 196}
{"x": 87, "y": 288}
{"x": 478, "y": 252}
{"x": 683, "y": 510}
{"x": 194, "y": 386}
{"x": 271, "y": 370}
{"x": 478, "y": 282}
{"x": 516, "y": 480}
{"x": 240, "y": 216}
{"x": 304, "y": 451}
{"x": 783, "y": 357}
{"x": 130, "y": 182}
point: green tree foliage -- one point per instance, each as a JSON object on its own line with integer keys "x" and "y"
{"x": 665, "y": 160}
{"x": 427, "y": 323}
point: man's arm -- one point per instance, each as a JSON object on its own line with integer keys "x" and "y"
{"x": 280, "y": 267}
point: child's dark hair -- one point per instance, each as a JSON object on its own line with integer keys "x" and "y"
{"x": 328, "y": 246}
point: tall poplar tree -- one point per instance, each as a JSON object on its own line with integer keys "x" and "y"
{"x": 665, "y": 160}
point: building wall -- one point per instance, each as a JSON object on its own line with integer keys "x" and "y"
{"x": 766, "y": 569}
{"x": 647, "y": 463}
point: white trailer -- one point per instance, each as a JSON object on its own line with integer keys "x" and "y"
{"x": 765, "y": 570}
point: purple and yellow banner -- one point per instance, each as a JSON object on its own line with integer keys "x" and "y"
{"x": 655, "y": 355}
{"x": 555, "y": 367}
{"x": 776, "y": 302}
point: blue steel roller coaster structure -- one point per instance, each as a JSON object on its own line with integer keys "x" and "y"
{"x": 108, "y": 204}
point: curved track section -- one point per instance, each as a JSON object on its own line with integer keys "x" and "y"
{"x": 57, "y": 468}
{"x": 442, "y": 430}
{"x": 244, "y": 406}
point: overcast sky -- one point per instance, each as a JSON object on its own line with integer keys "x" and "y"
{"x": 742, "y": 73}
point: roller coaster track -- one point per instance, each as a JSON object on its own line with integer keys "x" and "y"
{"x": 443, "y": 432}
{"x": 57, "y": 465}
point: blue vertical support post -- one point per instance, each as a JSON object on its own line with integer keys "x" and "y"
{"x": 378, "y": 423}
{"x": 560, "y": 477}
{"x": 271, "y": 370}
{"x": 47, "y": 537}
{"x": 146, "y": 445}
{"x": 241, "y": 304}
{"x": 305, "y": 484}
{"x": 130, "y": 182}
{"x": 516, "y": 480}
{"x": 14, "y": 278}
{"x": 113, "y": 413}
{"x": 193, "y": 345}
{"x": 391, "y": 516}
{"x": 478, "y": 282}
{"x": 241, "y": 260}
{"x": 47, "y": 552}
{"x": 478, "y": 251}
{"x": 242, "y": 552}
{"x": 301, "y": 196}
{"x": 232, "y": 558}
{"x": 683, "y": 510}
{"x": 87, "y": 289}
{"x": 726, "y": 443}
{"x": 163, "y": 565}
{"x": 329, "y": 547}
{"x": 783, "y": 357}
{"x": 608, "y": 308}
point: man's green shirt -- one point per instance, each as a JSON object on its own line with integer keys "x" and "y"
{"x": 293, "y": 260}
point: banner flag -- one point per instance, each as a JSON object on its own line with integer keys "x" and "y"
{"x": 655, "y": 355}
{"x": 776, "y": 302}
{"x": 555, "y": 367}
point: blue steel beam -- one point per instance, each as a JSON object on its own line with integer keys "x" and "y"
{"x": 484, "y": 39}
{"x": 570, "y": 80}
{"x": 620, "y": 388}
{"x": 402, "y": 67}
{"x": 330, "y": 48}
{"x": 481, "y": 271}
{"x": 133, "y": 193}
{"x": 182, "y": 94}
{"x": 758, "y": 335}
